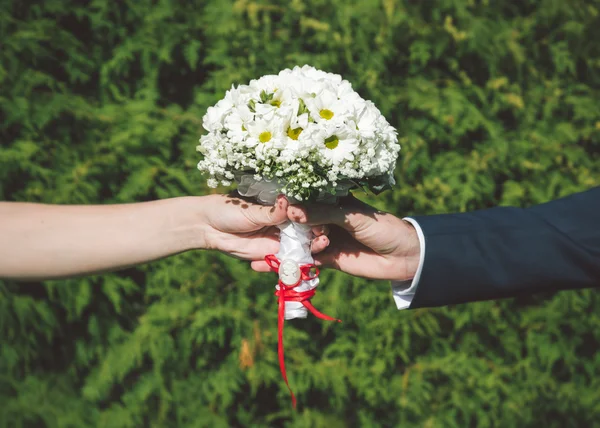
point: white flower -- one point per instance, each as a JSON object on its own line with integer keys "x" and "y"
{"x": 367, "y": 120}
{"x": 327, "y": 107}
{"x": 215, "y": 116}
{"x": 304, "y": 88}
{"x": 237, "y": 123}
{"x": 268, "y": 83}
{"x": 344, "y": 91}
{"x": 236, "y": 97}
{"x": 336, "y": 143}
{"x": 314, "y": 74}
{"x": 266, "y": 133}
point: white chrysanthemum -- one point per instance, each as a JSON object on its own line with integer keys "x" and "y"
{"x": 367, "y": 120}
{"x": 236, "y": 97}
{"x": 345, "y": 92}
{"x": 266, "y": 133}
{"x": 336, "y": 143}
{"x": 314, "y": 74}
{"x": 301, "y": 87}
{"x": 215, "y": 116}
{"x": 237, "y": 123}
{"x": 268, "y": 83}
{"x": 326, "y": 106}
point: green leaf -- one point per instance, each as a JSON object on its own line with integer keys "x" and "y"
{"x": 192, "y": 53}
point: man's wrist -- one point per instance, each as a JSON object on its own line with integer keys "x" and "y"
{"x": 404, "y": 291}
{"x": 412, "y": 255}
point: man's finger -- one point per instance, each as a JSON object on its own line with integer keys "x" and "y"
{"x": 261, "y": 266}
{"x": 323, "y": 259}
{"x": 351, "y": 218}
{"x": 327, "y": 258}
{"x": 319, "y": 244}
{"x": 320, "y": 230}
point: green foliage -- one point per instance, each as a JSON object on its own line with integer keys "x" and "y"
{"x": 496, "y": 103}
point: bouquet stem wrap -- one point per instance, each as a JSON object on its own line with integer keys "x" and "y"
{"x": 294, "y": 244}
{"x": 294, "y": 254}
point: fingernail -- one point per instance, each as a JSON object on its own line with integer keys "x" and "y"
{"x": 296, "y": 213}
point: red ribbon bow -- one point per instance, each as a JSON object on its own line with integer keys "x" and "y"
{"x": 286, "y": 293}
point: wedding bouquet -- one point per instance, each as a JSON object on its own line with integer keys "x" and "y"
{"x": 307, "y": 134}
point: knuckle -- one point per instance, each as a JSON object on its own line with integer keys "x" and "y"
{"x": 356, "y": 221}
{"x": 268, "y": 213}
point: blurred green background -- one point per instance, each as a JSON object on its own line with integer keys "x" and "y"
{"x": 496, "y": 103}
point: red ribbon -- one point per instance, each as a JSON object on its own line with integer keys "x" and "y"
{"x": 286, "y": 293}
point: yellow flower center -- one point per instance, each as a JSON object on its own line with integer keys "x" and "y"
{"x": 294, "y": 133}
{"x": 264, "y": 137}
{"x": 326, "y": 114}
{"x": 276, "y": 103}
{"x": 332, "y": 142}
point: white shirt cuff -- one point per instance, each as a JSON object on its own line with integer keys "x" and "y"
{"x": 404, "y": 291}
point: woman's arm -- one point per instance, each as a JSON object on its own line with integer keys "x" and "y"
{"x": 49, "y": 241}
{"x": 39, "y": 241}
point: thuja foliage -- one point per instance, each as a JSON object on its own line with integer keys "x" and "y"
{"x": 496, "y": 103}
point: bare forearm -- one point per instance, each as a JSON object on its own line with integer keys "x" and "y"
{"x": 51, "y": 241}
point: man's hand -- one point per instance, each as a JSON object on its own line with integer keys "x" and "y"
{"x": 245, "y": 229}
{"x": 364, "y": 242}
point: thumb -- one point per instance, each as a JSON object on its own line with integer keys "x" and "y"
{"x": 351, "y": 216}
{"x": 264, "y": 215}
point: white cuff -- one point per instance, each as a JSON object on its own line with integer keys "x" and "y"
{"x": 404, "y": 291}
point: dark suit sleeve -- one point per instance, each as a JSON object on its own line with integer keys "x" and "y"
{"x": 505, "y": 252}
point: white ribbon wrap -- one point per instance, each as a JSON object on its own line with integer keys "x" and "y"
{"x": 295, "y": 238}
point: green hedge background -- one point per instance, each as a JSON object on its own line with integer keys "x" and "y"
{"x": 496, "y": 103}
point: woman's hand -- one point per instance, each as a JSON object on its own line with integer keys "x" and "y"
{"x": 41, "y": 241}
{"x": 245, "y": 229}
